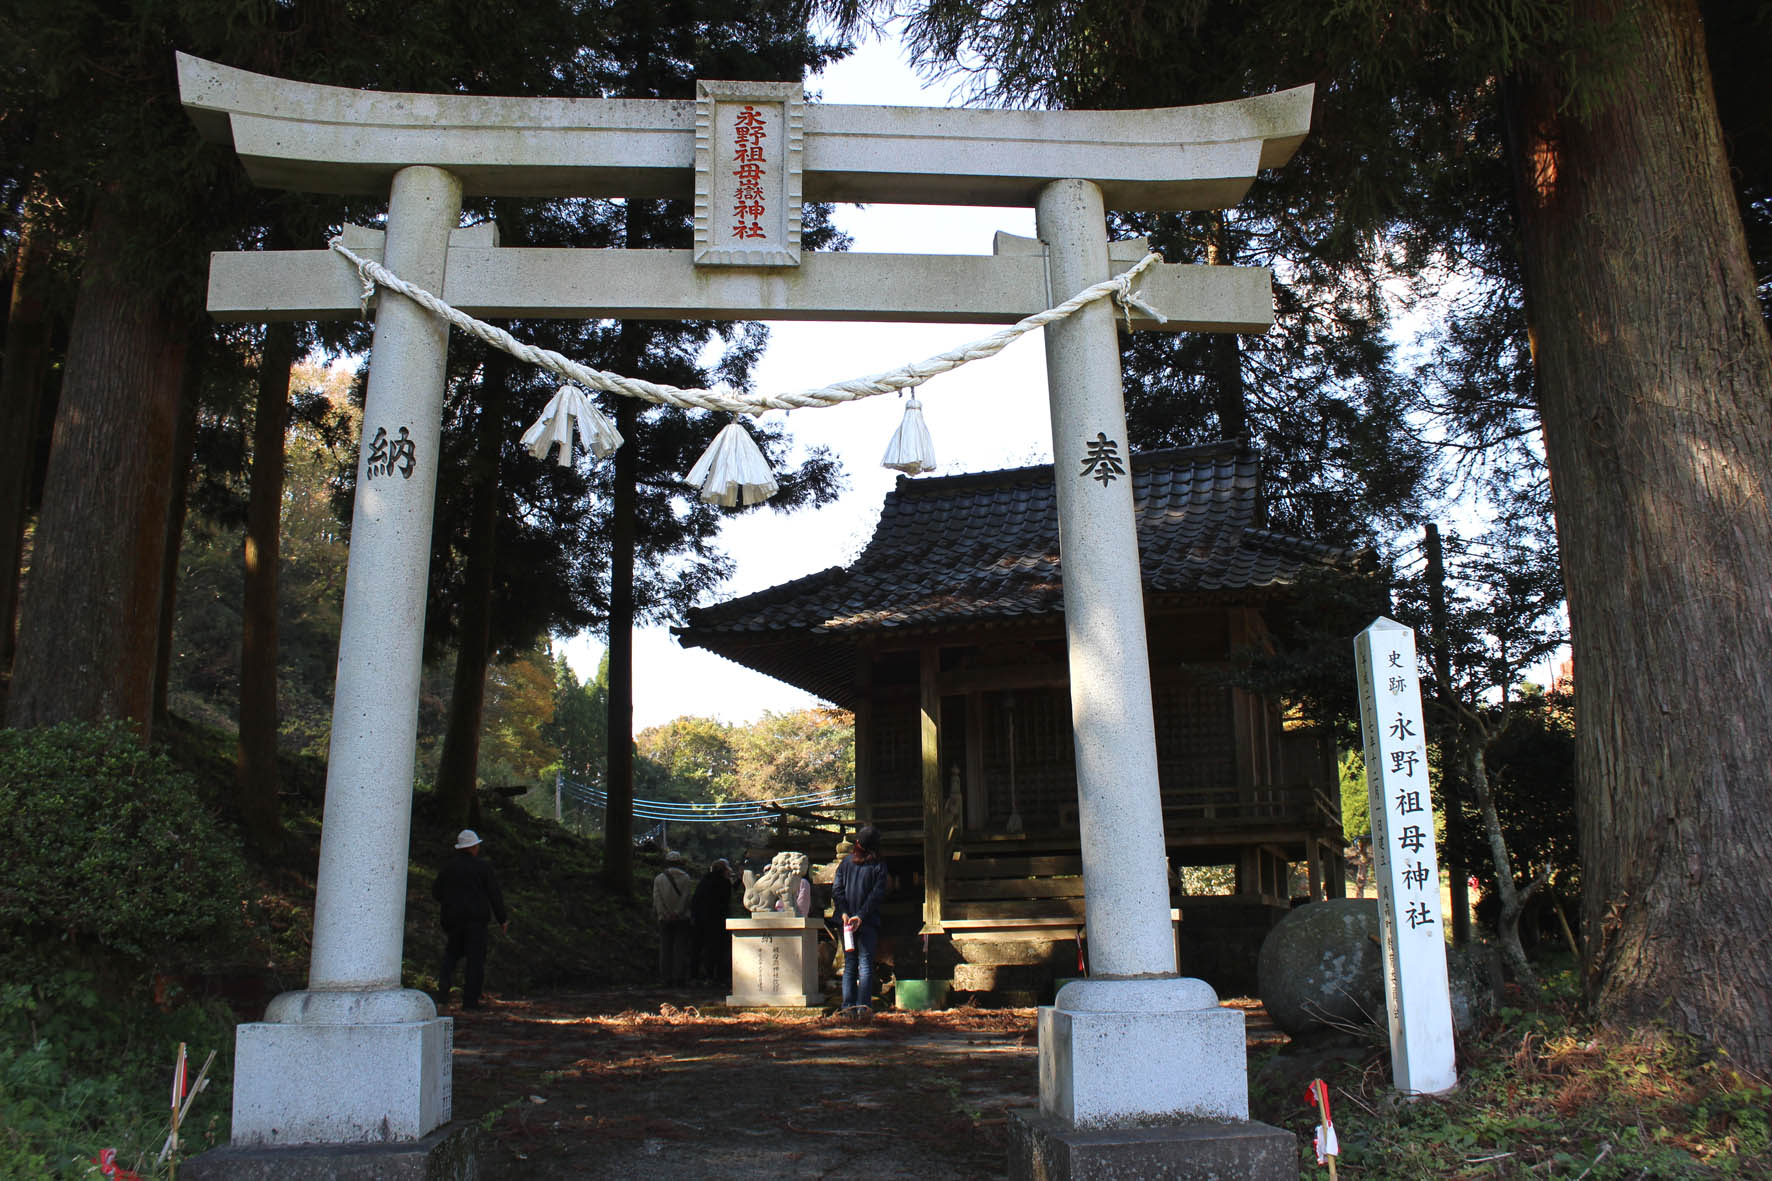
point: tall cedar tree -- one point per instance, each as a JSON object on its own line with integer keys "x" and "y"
{"x": 1655, "y": 386}
{"x": 256, "y": 754}
{"x": 1631, "y": 278}
{"x": 93, "y": 132}
{"x": 24, "y": 392}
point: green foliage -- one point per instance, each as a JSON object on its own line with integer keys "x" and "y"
{"x": 697, "y": 757}
{"x": 1356, "y": 800}
{"x": 1324, "y": 395}
{"x": 204, "y": 684}
{"x": 579, "y": 728}
{"x": 108, "y": 843}
{"x": 83, "y": 1068}
{"x": 805, "y": 750}
{"x": 514, "y": 747}
{"x": 1208, "y": 879}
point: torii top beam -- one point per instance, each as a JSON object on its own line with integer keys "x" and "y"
{"x": 326, "y": 139}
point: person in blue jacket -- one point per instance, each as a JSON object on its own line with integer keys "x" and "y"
{"x": 860, "y": 888}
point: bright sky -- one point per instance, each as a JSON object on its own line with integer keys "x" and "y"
{"x": 990, "y": 414}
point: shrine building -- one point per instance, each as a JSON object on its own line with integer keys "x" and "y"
{"x": 946, "y": 638}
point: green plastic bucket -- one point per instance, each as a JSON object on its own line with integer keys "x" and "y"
{"x": 918, "y": 995}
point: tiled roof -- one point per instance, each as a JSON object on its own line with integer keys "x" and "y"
{"x": 963, "y": 550}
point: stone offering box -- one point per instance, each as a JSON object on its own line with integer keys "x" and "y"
{"x": 775, "y": 962}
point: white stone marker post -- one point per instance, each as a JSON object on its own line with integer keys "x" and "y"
{"x": 355, "y": 1057}
{"x": 1417, "y": 998}
{"x": 1099, "y": 1064}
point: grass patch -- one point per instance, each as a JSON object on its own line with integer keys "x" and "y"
{"x": 1542, "y": 1093}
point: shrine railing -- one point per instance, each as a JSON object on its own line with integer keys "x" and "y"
{"x": 1248, "y": 807}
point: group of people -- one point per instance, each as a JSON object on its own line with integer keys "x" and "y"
{"x": 693, "y": 939}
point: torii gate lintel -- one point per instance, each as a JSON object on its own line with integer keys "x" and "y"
{"x": 328, "y": 139}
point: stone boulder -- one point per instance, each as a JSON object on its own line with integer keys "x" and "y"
{"x": 1322, "y": 967}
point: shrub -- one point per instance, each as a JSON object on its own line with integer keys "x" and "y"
{"x": 84, "y": 1068}
{"x": 107, "y": 843}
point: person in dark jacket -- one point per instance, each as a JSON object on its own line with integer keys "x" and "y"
{"x": 469, "y": 893}
{"x": 860, "y": 888}
{"x": 709, "y": 908}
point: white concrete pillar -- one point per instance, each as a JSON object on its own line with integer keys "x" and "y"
{"x": 360, "y": 903}
{"x": 1135, "y": 1043}
{"x": 1120, "y": 813}
{"x": 355, "y": 1058}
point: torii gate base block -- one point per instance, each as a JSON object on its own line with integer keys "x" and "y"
{"x": 447, "y": 1154}
{"x": 1042, "y": 1148}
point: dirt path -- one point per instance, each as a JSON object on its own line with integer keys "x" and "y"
{"x": 645, "y": 1084}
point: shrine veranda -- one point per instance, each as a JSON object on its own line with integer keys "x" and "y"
{"x": 748, "y": 155}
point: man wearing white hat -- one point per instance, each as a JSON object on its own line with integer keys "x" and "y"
{"x": 469, "y": 893}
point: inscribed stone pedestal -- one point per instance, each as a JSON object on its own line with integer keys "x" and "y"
{"x": 775, "y": 962}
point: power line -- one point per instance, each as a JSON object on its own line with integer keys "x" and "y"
{"x": 726, "y": 813}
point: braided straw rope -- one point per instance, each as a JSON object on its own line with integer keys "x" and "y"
{"x": 1119, "y": 288}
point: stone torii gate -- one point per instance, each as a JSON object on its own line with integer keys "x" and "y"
{"x": 354, "y": 1058}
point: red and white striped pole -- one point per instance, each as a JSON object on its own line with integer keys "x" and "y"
{"x": 1328, "y": 1148}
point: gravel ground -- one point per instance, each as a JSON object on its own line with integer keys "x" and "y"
{"x": 672, "y": 1084}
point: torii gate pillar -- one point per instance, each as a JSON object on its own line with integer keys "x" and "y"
{"x": 1135, "y": 1044}
{"x": 355, "y": 1058}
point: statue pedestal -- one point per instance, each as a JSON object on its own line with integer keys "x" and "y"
{"x": 775, "y": 962}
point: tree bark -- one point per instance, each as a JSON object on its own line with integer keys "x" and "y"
{"x": 1655, "y": 375}
{"x": 1230, "y": 398}
{"x": 458, "y": 767}
{"x": 1453, "y": 809}
{"x": 618, "y": 826}
{"x": 23, "y": 380}
{"x": 190, "y": 398}
{"x": 88, "y": 632}
{"x": 255, "y": 763}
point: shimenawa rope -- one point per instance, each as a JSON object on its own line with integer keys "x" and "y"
{"x": 544, "y": 432}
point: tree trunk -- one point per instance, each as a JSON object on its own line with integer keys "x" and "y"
{"x": 87, "y": 636}
{"x": 618, "y": 826}
{"x": 458, "y": 768}
{"x": 1655, "y": 374}
{"x": 23, "y": 380}
{"x": 255, "y": 764}
{"x": 1230, "y": 399}
{"x": 1452, "y": 807}
{"x": 190, "y": 398}
{"x": 1513, "y": 899}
